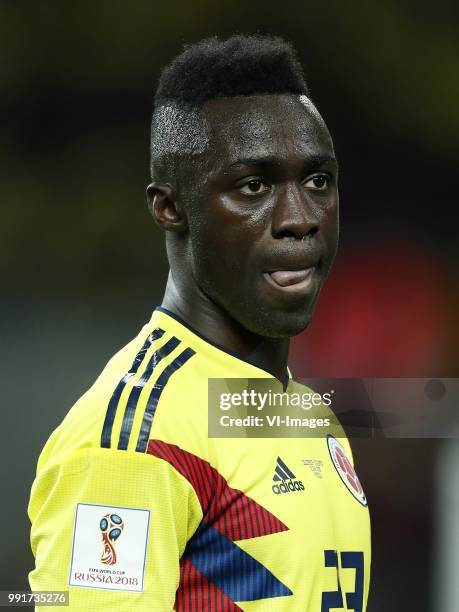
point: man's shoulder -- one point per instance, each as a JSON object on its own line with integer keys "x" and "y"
{"x": 154, "y": 373}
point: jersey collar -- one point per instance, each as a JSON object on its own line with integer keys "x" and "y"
{"x": 284, "y": 381}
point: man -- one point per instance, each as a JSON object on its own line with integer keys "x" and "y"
{"x": 135, "y": 506}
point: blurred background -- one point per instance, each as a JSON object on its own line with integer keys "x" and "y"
{"x": 83, "y": 265}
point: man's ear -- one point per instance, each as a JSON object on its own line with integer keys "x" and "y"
{"x": 168, "y": 213}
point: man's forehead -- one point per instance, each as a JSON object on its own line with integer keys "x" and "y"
{"x": 244, "y": 126}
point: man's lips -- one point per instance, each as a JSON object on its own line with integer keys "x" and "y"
{"x": 289, "y": 277}
{"x": 292, "y": 281}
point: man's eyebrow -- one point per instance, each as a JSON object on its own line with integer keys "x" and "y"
{"x": 311, "y": 162}
{"x": 264, "y": 160}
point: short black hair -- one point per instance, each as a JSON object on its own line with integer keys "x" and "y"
{"x": 241, "y": 65}
{"x": 238, "y": 66}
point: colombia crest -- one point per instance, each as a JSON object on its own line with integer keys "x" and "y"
{"x": 345, "y": 470}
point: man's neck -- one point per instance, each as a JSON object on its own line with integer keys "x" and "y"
{"x": 201, "y": 313}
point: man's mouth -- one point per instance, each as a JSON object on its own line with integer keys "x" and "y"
{"x": 291, "y": 280}
{"x": 290, "y": 277}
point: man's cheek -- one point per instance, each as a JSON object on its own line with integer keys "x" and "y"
{"x": 330, "y": 227}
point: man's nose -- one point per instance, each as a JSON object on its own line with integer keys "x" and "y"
{"x": 294, "y": 216}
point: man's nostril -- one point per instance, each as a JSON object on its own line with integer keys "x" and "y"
{"x": 287, "y": 234}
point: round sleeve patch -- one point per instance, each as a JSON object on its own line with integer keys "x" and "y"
{"x": 345, "y": 470}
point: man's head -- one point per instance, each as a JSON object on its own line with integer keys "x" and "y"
{"x": 245, "y": 181}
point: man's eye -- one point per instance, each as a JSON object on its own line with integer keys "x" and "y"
{"x": 318, "y": 182}
{"x": 254, "y": 187}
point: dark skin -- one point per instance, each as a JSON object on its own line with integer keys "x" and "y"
{"x": 267, "y": 202}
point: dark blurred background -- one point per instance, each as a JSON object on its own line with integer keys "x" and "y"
{"x": 83, "y": 264}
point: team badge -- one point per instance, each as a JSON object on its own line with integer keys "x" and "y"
{"x": 345, "y": 470}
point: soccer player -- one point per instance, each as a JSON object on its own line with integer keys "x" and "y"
{"x": 135, "y": 506}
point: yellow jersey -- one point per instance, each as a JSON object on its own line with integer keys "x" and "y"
{"x": 135, "y": 507}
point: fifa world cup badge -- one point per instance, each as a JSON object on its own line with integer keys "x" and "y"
{"x": 109, "y": 547}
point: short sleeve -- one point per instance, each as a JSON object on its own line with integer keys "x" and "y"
{"x": 110, "y": 527}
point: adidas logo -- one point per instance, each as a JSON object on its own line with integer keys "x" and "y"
{"x": 286, "y": 478}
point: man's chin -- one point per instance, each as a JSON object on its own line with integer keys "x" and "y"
{"x": 280, "y": 325}
{"x": 289, "y": 326}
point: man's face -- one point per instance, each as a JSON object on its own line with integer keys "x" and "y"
{"x": 264, "y": 232}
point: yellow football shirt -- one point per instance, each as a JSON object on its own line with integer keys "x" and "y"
{"x": 135, "y": 507}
